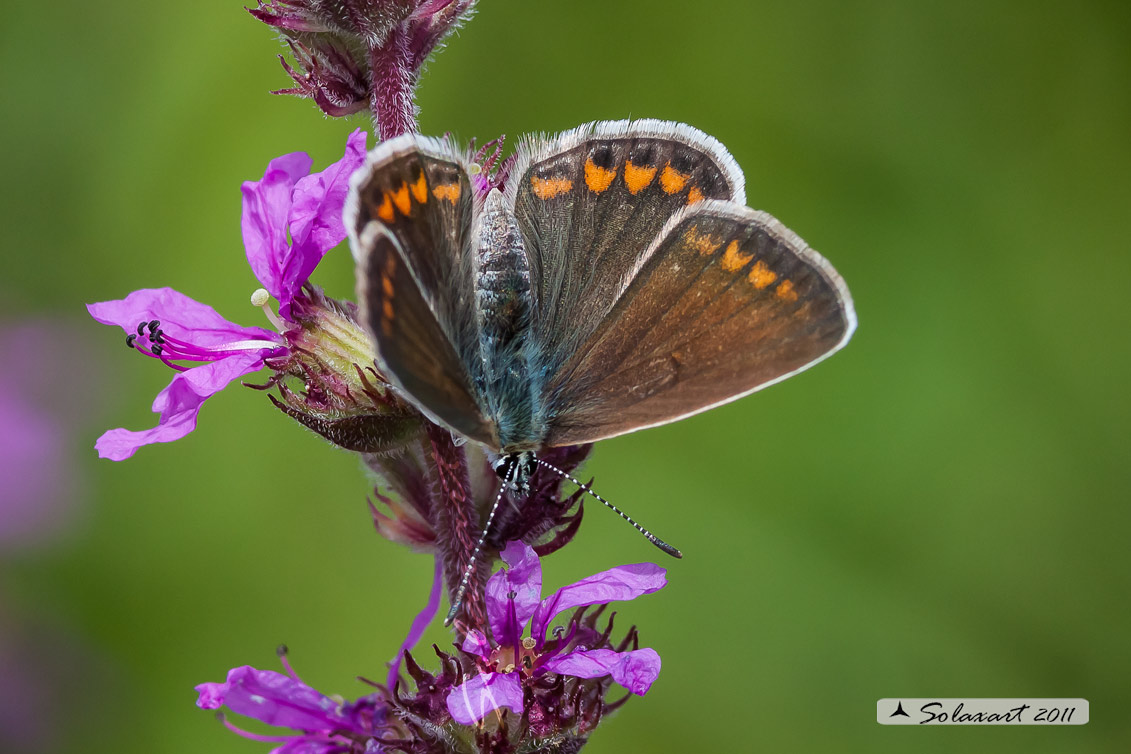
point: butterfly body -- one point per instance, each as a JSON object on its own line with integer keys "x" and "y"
{"x": 507, "y": 385}
{"x": 619, "y": 282}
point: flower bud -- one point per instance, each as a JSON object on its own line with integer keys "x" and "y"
{"x": 327, "y": 381}
{"x": 350, "y": 54}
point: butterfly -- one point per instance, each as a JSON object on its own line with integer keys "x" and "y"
{"x": 617, "y": 282}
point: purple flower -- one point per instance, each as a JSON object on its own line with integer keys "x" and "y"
{"x": 290, "y": 220}
{"x": 556, "y": 685}
{"x": 420, "y": 623}
{"x": 325, "y": 725}
{"x": 307, "y": 208}
{"x": 508, "y": 662}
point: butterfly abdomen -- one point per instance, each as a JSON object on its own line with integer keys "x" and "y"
{"x": 503, "y": 307}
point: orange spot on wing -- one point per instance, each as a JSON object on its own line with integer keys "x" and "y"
{"x": 671, "y": 180}
{"x": 785, "y": 291}
{"x": 420, "y": 189}
{"x": 385, "y": 211}
{"x": 597, "y": 178}
{"x": 402, "y": 200}
{"x": 387, "y": 309}
{"x": 637, "y": 178}
{"x": 548, "y": 188}
{"x": 449, "y": 192}
{"x": 704, "y": 243}
{"x": 387, "y": 285}
{"x": 694, "y": 196}
{"x": 390, "y": 265}
{"x": 761, "y": 275}
{"x": 733, "y": 259}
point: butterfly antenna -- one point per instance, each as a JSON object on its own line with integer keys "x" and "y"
{"x": 647, "y": 534}
{"x": 478, "y": 546}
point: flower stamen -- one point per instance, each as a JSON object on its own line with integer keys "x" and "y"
{"x": 282, "y": 652}
{"x": 260, "y": 298}
{"x": 152, "y": 341}
{"x": 254, "y": 736}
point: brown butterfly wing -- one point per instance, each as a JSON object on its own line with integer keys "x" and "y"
{"x": 590, "y": 201}
{"x": 409, "y": 214}
{"x": 418, "y": 188}
{"x": 727, "y": 302}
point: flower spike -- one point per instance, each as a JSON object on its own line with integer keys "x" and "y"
{"x": 498, "y": 693}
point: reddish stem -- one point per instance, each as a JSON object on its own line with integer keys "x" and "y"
{"x": 456, "y": 519}
{"x": 393, "y": 81}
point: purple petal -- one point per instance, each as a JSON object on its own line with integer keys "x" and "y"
{"x": 273, "y": 698}
{"x": 475, "y": 642}
{"x": 266, "y": 208}
{"x": 308, "y": 207}
{"x": 419, "y": 624}
{"x": 522, "y": 583}
{"x": 621, "y": 583}
{"x": 180, "y": 316}
{"x": 304, "y": 745}
{"x": 316, "y": 215}
{"x": 636, "y": 670}
{"x": 483, "y": 694}
{"x": 179, "y": 403}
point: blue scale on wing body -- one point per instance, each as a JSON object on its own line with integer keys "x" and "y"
{"x": 504, "y": 308}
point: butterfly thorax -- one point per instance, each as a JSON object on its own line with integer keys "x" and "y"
{"x": 504, "y": 308}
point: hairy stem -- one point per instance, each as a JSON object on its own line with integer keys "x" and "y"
{"x": 456, "y": 520}
{"x": 393, "y": 81}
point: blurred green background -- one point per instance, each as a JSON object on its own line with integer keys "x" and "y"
{"x": 940, "y": 510}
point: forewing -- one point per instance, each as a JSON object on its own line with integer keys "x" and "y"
{"x": 728, "y": 302}
{"x": 409, "y": 215}
{"x": 591, "y": 200}
{"x": 418, "y": 188}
